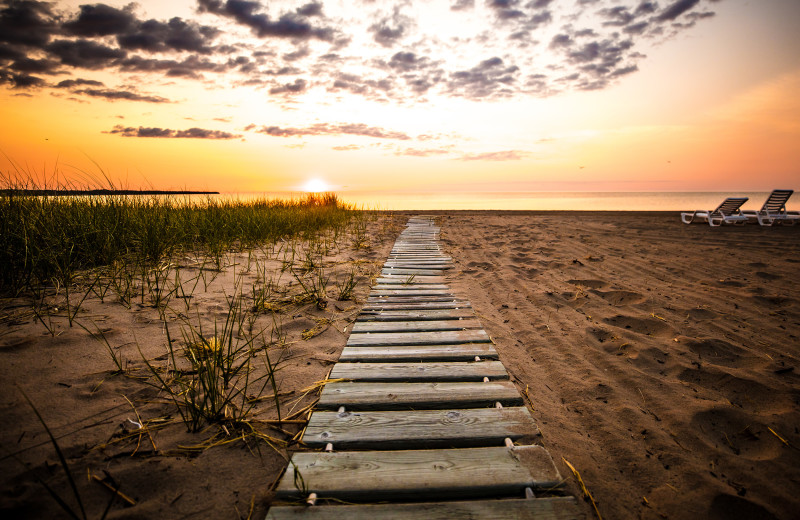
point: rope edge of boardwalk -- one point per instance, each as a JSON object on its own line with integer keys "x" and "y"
{"x": 420, "y": 419}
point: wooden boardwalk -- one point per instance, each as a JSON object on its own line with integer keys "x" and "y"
{"x": 422, "y": 420}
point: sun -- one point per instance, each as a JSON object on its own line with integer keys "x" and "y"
{"x": 316, "y": 186}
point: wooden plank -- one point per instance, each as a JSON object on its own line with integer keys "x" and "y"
{"x": 416, "y": 474}
{"x": 404, "y": 280}
{"x": 420, "y": 429}
{"x": 382, "y": 293}
{"x": 419, "y": 338}
{"x": 455, "y": 304}
{"x": 417, "y": 396}
{"x": 556, "y": 508}
{"x": 420, "y": 272}
{"x": 410, "y": 299}
{"x": 419, "y": 353}
{"x": 453, "y": 371}
{"x": 414, "y": 326}
{"x": 435, "y": 314}
{"x": 413, "y": 286}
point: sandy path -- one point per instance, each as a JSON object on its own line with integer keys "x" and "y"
{"x": 657, "y": 355}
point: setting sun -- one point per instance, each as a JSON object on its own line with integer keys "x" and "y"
{"x": 316, "y": 186}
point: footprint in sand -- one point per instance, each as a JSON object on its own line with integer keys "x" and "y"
{"x": 747, "y": 394}
{"x": 646, "y": 326}
{"x": 480, "y": 265}
{"x": 620, "y": 298}
{"x": 725, "y": 507}
{"x": 521, "y": 258}
{"x": 14, "y": 344}
{"x": 768, "y": 276}
{"x": 772, "y": 301}
{"x": 728, "y": 429}
{"x": 591, "y": 284}
{"x": 701, "y": 314}
{"x": 720, "y": 352}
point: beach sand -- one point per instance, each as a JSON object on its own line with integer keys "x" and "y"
{"x": 660, "y": 360}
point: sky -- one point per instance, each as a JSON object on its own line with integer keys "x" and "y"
{"x": 437, "y": 96}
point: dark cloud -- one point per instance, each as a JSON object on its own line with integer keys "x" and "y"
{"x": 85, "y": 54}
{"x": 617, "y": 16}
{"x": 27, "y": 23}
{"x": 126, "y": 95}
{"x": 191, "y": 67}
{"x": 359, "y": 129}
{"x": 191, "y": 133}
{"x": 462, "y": 5}
{"x": 489, "y": 78}
{"x": 101, "y": 20}
{"x": 310, "y": 9}
{"x": 29, "y": 65}
{"x": 176, "y": 34}
{"x": 289, "y": 25}
{"x": 676, "y": 9}
{"x": 391, "y": 29}
{"x": 20, "y": 80}
{"x": 297, "y": 87}
{"x": 70, "y": 83}
{"x": 538, "y": 4}
{"x": 510, "y": 155}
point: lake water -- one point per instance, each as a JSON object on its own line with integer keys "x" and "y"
{"x": 603, "y": 201}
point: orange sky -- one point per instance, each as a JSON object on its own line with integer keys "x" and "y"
{"x": 475, "y": 96}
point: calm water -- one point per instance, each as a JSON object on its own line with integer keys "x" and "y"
{"x": 605, "y": 201}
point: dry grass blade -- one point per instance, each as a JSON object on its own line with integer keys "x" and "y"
{"x": 582, "y": 486}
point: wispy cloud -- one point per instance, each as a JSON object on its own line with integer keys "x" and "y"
{"x": 191, "y": 133}
{"x": 359, "y": 129}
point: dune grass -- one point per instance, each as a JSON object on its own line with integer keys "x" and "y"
{"x": 47, "y": 240}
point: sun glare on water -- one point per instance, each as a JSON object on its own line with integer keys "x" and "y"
{"x": 316, "y": 186}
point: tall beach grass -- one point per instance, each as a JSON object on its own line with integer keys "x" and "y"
{"x": 46, "y": 240}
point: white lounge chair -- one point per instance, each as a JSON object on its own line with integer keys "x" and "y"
{"x": 774, "y": 210}
{"x": 726, "y": 213}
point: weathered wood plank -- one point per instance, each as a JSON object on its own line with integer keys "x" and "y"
{"x": 413, "y": 286}
{"x": 557, "y": 508}
{"x": 406, "y": 280}
{"x": 417, "y": 396}
{"x": 401, "y": 271}
{"x": 455, "y": 304}
{"x": 419, "y": 353}
{"x": 434, "y": 314}
{"x": 419, "y": 338}
{"x": 420, "y": 429}
{"x": 414, "y": 326}
{"x": 410, "y": 372}
{"x": 384, "y": 293}
{"x": 418, "y": 474}
{"x": 410, "y": 299}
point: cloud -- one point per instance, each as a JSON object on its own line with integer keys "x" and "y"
{"x": 27, "y": 23}
{"x": 510, "y": 155}
{"x": 289, "y": 25}
{"x": 85, "y": 54}
{"x": 676, "y": 9}
{"x": 425, "y": 152}
{"x": 489, "y": 78}
{"x": 528, "y": 47}
{"x": 176, "y": 34}
{"x": 359, "y": 129}
{"x": 125, "y": 95}
{"x": 69, "y": 83}
{"x": 298, "y": 86}
{"x": 191, "y": 133}
{"x": 100, "y": 20}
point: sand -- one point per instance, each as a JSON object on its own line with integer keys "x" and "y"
{"x": 661, "y": 359}
{"x": 661, "y": 362}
